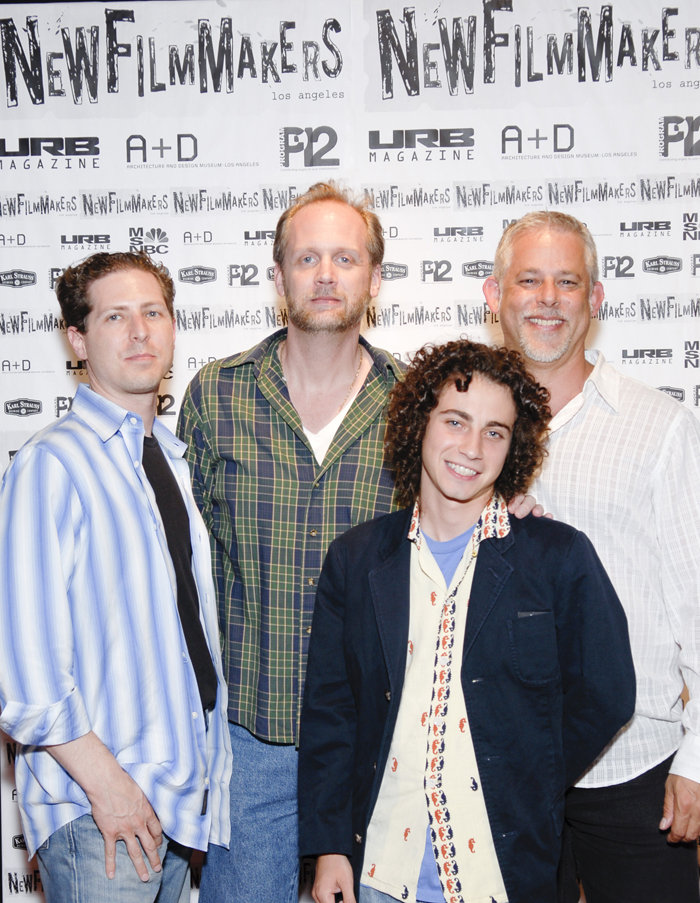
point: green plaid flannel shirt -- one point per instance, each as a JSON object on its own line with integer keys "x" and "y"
{"x": 272, "y": 511}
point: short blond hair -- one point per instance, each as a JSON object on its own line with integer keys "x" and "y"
{"x": 331, "y": 191}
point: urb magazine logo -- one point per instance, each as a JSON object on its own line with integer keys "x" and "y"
{"x": 80, "y": 152}
{"x": 647, "y": 355}
{"x": 417, "y": 145}
{"x": 152, "y": 241}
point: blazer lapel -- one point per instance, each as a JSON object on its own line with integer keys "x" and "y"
{"x": 492, "y": 572}
{"x": 389, "y": 584}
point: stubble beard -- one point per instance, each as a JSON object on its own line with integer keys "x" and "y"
{"x": 327, "y": 321}
{"x": 542, "y": 354}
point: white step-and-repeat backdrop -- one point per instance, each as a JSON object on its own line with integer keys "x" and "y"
{"x": 185, "y": 128}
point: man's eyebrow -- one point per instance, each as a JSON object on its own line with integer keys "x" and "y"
{"x": 538, "y": 270}
{"x": 466, "y": 416}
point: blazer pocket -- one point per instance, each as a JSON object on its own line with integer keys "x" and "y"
{"x": 533, "y": 646}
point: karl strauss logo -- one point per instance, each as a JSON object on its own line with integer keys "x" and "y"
{"x": 23, "y": 407}
{"x": 662, "y": 265}
{"x": 197, "y": 275}
{"x": 17, "y": 278}
{"x": 394, "y": 271}
{"x": 477, "y": 269}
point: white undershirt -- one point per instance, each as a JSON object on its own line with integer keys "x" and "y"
{"x": 320, "y": 442}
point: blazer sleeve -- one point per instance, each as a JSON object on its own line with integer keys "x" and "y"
{"x": 595, "y": 658}
{"x": 328, "y": 723}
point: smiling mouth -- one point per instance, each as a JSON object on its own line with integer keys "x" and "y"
{"x": 461, "y": 470}
{"x": 546, "y": 321}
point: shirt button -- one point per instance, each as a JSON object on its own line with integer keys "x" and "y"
{"x": 195, "y": 715}
{"x": 313, "y": 532}
{"x": 308, "y": 630}
{"x": 310, "y": 581}
{"x": 132, "y": 420}
{"x": 136, "y": 464}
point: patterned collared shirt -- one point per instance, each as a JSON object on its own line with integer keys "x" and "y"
{"x": 272, "y": 512}
{"x": 432, "y": 765}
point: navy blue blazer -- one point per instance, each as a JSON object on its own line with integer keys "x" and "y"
{"x": 547, "y": 677}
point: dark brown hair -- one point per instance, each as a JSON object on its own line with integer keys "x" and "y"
{"x": 435, "y": 367}
{"x": 74, "y": 283}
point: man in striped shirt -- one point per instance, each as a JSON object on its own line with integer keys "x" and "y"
{"x": 110, "y": 672}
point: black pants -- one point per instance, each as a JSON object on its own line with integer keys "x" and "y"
{"x": 613, "y": 844}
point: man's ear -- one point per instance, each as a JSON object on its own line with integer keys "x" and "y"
{"x": 492, "y": 293}
{"x": 597, "y": 296}
{"x": 278, "y": 279}
{"x": 77, "y": 341}
{"x": 375, "y": 281}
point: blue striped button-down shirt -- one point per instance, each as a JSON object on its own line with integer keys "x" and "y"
{"x": 91, "y": 637}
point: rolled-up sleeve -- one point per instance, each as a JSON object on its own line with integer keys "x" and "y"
{"x": 40, "y": 529}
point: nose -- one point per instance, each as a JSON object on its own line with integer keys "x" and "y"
{"x": 140, "y": 328}
{"x": 325, "y": 272}
{"x": 471, "y": 445}
{"x": 547, "y": 291}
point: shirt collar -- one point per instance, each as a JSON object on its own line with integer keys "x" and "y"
{"x": 603, "y": 381}
{"x": 493, "y": 523}
{"x": 107, "y": 418}
{"x": 604, "y": 378}
{"x": 265, "y": 354}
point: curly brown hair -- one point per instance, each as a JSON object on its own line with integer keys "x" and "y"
{"x": 412, "y": 400}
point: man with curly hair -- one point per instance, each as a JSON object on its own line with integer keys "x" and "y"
{"x": 461, "y": 661}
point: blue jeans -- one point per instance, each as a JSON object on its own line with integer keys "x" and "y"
{"x": 372, "y": 895}
{"x": 72, "y": 866}
{"x": 263, "y": 862}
